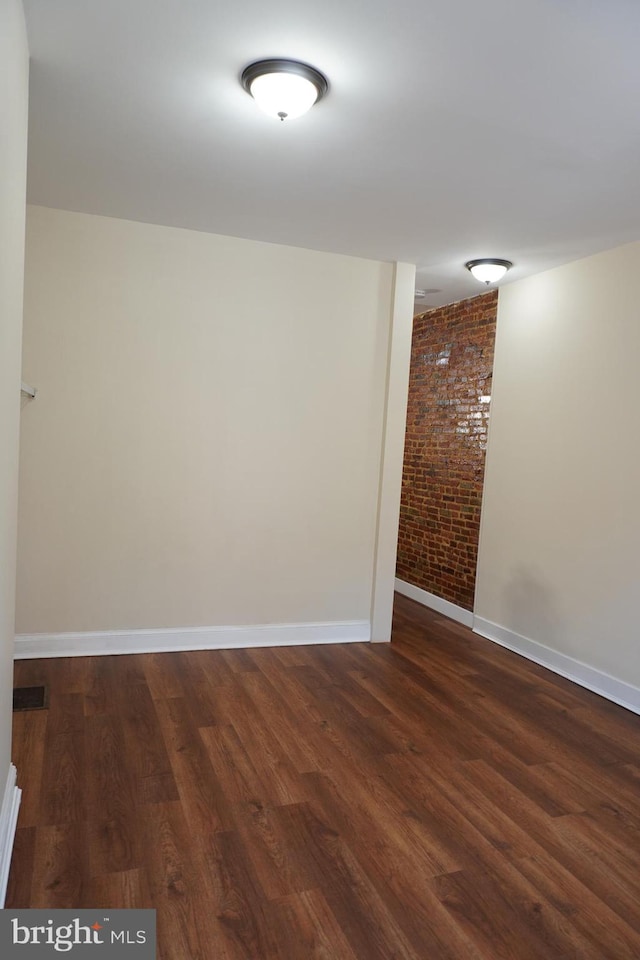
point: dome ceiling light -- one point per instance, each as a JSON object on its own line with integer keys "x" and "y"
{"x": 284, "y": 89}
{"x": 488, "y": 270}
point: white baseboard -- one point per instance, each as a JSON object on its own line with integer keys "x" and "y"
{"x": 30, "y": 646}
{"x": 430, "y": 600}
{"x": 595, "y": 680}
{"x": 8, "y": 822}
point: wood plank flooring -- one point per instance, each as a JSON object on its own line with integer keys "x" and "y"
{"x": 436, "y": 799}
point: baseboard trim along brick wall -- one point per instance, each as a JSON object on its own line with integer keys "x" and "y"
{"x": 427, "y": 599}
{"x": 618, "y": 691}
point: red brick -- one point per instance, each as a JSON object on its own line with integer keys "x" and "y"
{"x": 451, "y": 368}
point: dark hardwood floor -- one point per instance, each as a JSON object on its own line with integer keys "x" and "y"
{"x": 436, "y": 799}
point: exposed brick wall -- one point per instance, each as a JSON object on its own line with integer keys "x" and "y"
{"x": 449, "y": 387}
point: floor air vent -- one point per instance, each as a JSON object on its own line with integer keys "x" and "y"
{"x": 30, "y": 698}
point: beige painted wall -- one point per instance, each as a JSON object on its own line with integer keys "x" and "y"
{"x": 559, "y": 560}
{"x": 205, "y": 445}
{"x": 14, "y": 80}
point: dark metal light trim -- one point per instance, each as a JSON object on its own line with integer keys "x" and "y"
{"x": 260, "y": 67}
{"x": 507, "y": 264}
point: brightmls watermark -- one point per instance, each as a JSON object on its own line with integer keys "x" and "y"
{"x": 80, "y": 934}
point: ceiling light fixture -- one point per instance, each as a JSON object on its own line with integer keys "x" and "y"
{"x": 488, "y": 270}
{"x": 284, "y": 88}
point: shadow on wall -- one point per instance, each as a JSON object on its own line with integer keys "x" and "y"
{"x": 532, "y": 608}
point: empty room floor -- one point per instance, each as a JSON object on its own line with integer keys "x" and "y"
{"x": 439, "y": 798}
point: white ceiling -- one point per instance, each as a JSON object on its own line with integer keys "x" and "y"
{"x": 452, "y": 129}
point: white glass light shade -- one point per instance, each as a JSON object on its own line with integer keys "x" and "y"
{"x": 284, "y": 88}
{"x": 488, "y": 270}
{"x": 283, "y": 95}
